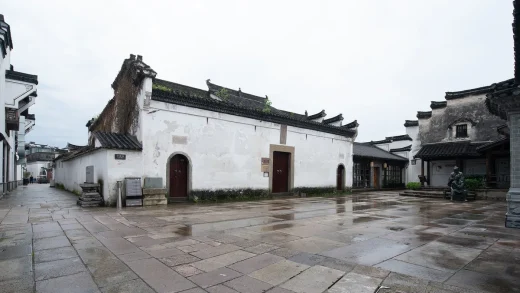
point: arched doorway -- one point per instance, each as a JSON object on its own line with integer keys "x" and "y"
{"x": 179, "y": 177}
{"x": 340, "y": 178}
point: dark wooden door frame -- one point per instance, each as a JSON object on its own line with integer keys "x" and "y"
{"x": 285, "y": 149}
{"x": 178, "y": 164}
{"x": 281, "y": 171}
{"x": 340, "y": 177}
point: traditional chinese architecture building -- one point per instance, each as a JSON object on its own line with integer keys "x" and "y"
{"x": 504, "y": 102}
{"x": 17, "y": 94}
{"x": 377, "y": 168}
{"x": 201, "y": 141}
{"x": 460, "y": 131}
{"x": 39, "y": 159}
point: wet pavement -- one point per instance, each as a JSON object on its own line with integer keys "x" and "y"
{"x": 355, "y": 243}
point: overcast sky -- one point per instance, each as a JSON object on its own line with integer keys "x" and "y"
{"x": 375, "y": 61}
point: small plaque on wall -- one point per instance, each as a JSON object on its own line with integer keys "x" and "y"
{"x": 265, "y": 165}
{"x": 120, "y": 157}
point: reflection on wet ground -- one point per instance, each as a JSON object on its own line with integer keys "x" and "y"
{"x": 407, "y": 244}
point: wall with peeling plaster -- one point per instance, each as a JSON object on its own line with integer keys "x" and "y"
{"x": 225, "y": 151}
{"x": 436, "y": 128}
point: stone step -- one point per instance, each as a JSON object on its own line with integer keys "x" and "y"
{"x": 155, "y": 196}
{"x": 152, "y": 191}
{"x": 154, "y": 202}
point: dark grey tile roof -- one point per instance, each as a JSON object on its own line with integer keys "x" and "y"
{"x": 403, "y": 149}
{"x": 352, "y": 124}
{"x": 118, "y": 141}
{"x": 20, "y": 76}
{"x": 449, "y": 150}
{"x": 424, "y": 114}
{"x": 490, "y": 145}
{"x": 393, "y": 138}
{"x": 320, "y": 114}
{"x": 480, "y": 90}
{"x": 240, "y": 104}
{"x": 366, "y": 150}
{"x": 438, "y": 105}
{"x": 409, "y": 123}
{"x": 333, "y": 119}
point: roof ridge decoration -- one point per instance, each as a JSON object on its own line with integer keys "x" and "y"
{"x": 21, "y": 76}
{"x": 6, "y": 42}
{"x": 352, "y": 124}
{"x": 213, "y": 88}
{"x": 479, "y": 90}
{"x": 424, "y": 114}
{"x": 403, "y": 149}
{"x": 207, "y": 103}
{"x": 336, "y": 118}
{"x": 320, "y": 114}
{"x": 438, "y": 105}
{"x": 410, "y": 123}
{"x": 137, "y": 69}
{"x": 389, "y": 139}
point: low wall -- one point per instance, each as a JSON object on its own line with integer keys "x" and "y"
{"x": 491, "y": 194}
{"x": 107, "y": 171}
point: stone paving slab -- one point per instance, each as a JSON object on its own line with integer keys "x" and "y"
{"x": 246, "y": 284}
{"x": 223, "y": 260}
{"x": 160, "y": 277}
{"x": 255, "y": 263}
{"x": 215, "y": 277}
{"x": 279, "y": 272}
{"x": 415, "y": 270}
{"x": 24, "y": 284}
{"x": 220, "y": 289}
{"x": 51, "y": 242}
{"x": 132, "y": 286}
{"x": 15, "y": 268}
{"x": 356, "y": 283}
{"x": 78, "y": 283}
{"x": 314, "y": 280}
{"x": 58, "y": 268}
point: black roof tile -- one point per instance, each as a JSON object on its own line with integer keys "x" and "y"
{"x": 490, "y": 145}
{"x": 438, "y": 105}
{"x": 352, "y": 124}
{"x": 409, "y": 123}
{"x": 333, "y": 119}
{"x": 20, "y": 76}
{"x": 424, "y": 114}
{"x": 364, "y": 150}
{"x": 118, "y": 141}
{"x": 320, "y": 114}
{"x": 448, "y": 150}
{"x": 403, "y": 149}
{"x": 393, "y": 138}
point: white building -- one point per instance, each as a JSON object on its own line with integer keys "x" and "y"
{"x": 459, "y": 131}
{"x": 17, "y": 94}
{"x": 204, "y": 142}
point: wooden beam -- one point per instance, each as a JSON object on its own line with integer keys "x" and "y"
{"x": 428, "y": 173}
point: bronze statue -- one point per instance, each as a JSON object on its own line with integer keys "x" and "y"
{"x": 456, "y": 183}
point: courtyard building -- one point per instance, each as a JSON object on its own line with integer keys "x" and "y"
{"x": 207, "y": 141}
{"x": 17, "y": 95}
{"x": 40, "y": 160}
{"x": 377, "y": 168}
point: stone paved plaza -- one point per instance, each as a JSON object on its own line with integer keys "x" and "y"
{"x": 350, "y": 244}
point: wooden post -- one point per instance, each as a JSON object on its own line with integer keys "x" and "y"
{"x": 488, "y": 168}
{"x": 422, "y": 172}
{"x": 428, "y": 173}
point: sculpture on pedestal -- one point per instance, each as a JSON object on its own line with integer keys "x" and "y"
{"x": 456, "y": 183}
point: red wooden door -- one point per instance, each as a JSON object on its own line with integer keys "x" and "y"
{"x": 281, "y": 172}
{"x": 179, "y": 176}
{"x": 339, "y": 177}
{"x": 376, "y": 177}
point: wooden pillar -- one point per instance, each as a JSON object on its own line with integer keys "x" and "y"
{"x": 488, "y": 168}
{"x": 428, "y": 172}
{"x": 422, "y": 172}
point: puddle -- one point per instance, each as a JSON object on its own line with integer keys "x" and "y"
{"x": 365, "y": 220}
{"x": 276, "y": 227}
{"x": 198, "y": 229}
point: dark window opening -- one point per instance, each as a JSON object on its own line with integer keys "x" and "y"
{"x": 361, "y": 175}
{"x": 393, "y": 177}
{"x": 462, "y": 131}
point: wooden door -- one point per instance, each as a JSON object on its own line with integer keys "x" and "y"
{"x": 376, "y": 177}
{"x": 339, "y": 177}
{"x": 179, "y": 176}
{"x": 281, "y": 172}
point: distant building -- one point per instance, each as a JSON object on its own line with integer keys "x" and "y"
{"x": 207, "y": 140}
{"x": 459, "y": 131}
{"x": 39, "y": 159}
{"x": 17, "y": 94}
